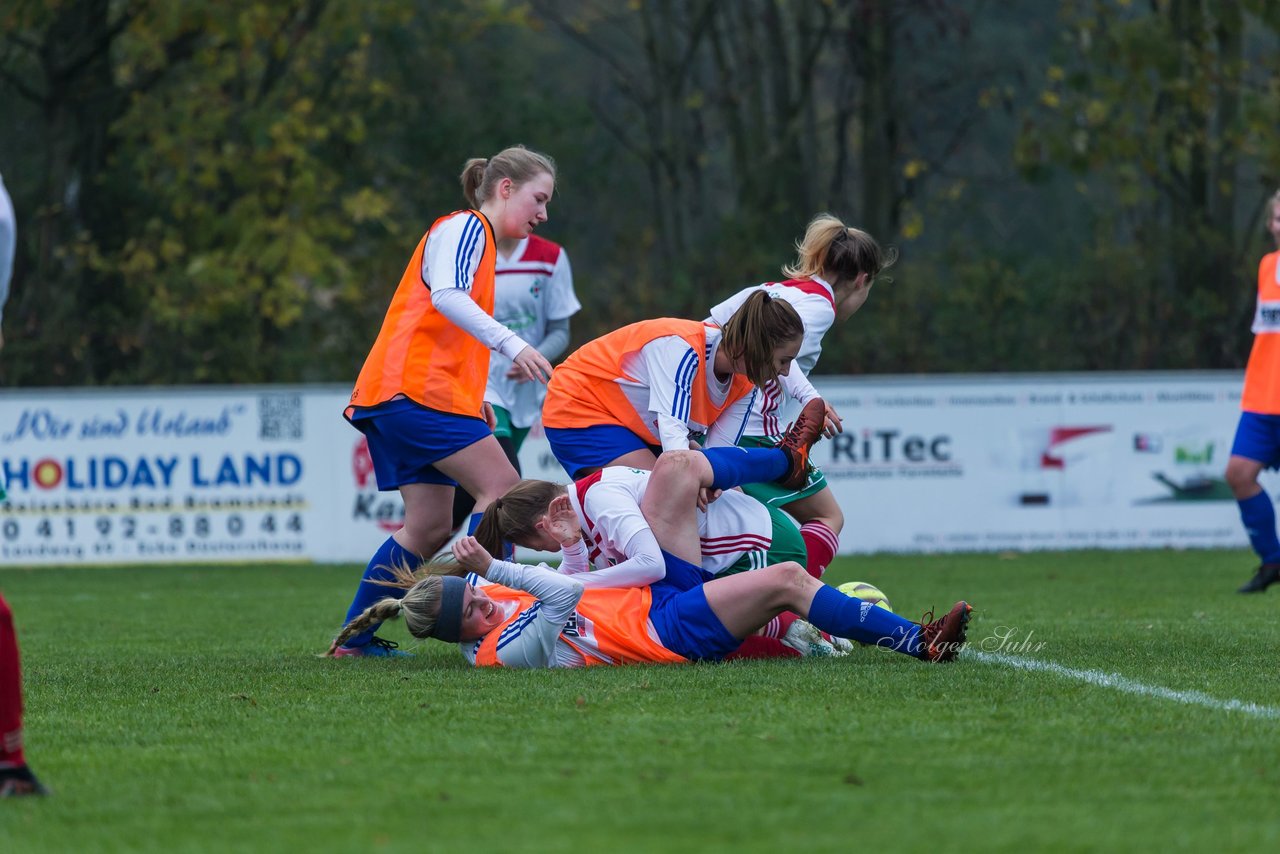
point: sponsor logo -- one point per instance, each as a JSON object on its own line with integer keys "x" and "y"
{"x": 384, "y": 509}
{"x": 110, "y": 472}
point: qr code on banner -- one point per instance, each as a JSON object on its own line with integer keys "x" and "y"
{"x": 280, "y": 416}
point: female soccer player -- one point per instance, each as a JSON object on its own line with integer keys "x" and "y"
{"x": 1257, "y": 441}
{"x": 419, "y": 397}
{"x": 532, "y": 616}
{"x": 829, "y": 282}
{"x": 649, "y": 387}
{"x": 629, "y": 515}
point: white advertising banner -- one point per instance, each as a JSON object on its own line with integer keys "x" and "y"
{"x": 925, "y": 464}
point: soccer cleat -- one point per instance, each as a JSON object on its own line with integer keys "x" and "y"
{"x": 376, "y": 648}
{"x": 1267, "y": 574}
{"x": 842, "y": 646}
{"x": 799, "y": 439}
{"x": 20, "y": 782}
{"x": 941, "y": 640}
{"x": 806, "y": 639}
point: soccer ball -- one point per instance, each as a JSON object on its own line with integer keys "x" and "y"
{"x": 866, "y": 592}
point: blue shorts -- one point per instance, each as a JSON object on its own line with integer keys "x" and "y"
{"x": 406, "y": 438}
{"x": 682, "y": 618}
{"x": 1258, "y": 439}
{"x": 584, "y": 449}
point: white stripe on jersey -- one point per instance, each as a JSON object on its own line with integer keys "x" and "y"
{"x": 683, "y": 401}
{"x": 470, "y": 233}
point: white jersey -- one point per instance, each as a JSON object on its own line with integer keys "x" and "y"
{"x": 531, "y": 286}
{"x": 536, "y": 639}
{"x": 780, "y": 402}
{"x": 659, "y": 382}
{"x": 617, "y": 534}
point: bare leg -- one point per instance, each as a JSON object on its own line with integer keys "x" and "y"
{"x": 819, "y": 507}
{"x": 482, "y": 469}
{"x": 746, "y": 601}
{"x": 640, "y": 458}
{"x": 1242, "y": 476}
{"x": 428, "y": 511}
{"x": 671, "y": 499}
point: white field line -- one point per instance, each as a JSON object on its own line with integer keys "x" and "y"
{"x": 1122, "y": 683}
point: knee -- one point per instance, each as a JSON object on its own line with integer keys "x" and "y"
{"x": 6, "y": 615}
{"x": 1240, "y": 475}
{"x": 791, "y": 574}
{"x": 835, "y": 520}
{"x": 424, "y": 536}
{"x": 679, "y": 470}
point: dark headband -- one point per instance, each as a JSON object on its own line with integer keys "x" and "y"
{"x": 449, "y": 624}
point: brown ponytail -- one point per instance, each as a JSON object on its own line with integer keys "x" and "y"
{"x": 511, "y": 519}
{"x": 756, "y": 329}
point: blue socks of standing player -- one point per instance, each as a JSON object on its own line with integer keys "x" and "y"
{"x": 388, "y": 554}
{"x": 733, "y": 466}
{"x": 1259, "y": 517}
{"x": 857, "y": 620}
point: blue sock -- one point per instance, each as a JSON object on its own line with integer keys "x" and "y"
{"x": 508, "y": 550}
{"x": 848, "y": 617}
{"x": 388, "y": 554}
{"x": 735, "y": 466}
{"x": 1259, "y": 517}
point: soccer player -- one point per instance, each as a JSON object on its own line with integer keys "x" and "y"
{"x": 628, "y": 514}
{"x": 1257, "y": 441}
{"x": 16, "y": 778}
{"x": 419, "y": 397}
{"x": 535, "y": 617}
{"x": 830, "y": 280}
{"x": 534, "y": 298}
{"x": 652, "y": 386}
{"x": 532, "y": 616}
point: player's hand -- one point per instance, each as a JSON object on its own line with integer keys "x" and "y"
{"x": 707, "y": 496}
{"x": 517, "y": 374}
{"x": 490, "y": 417}
{"x": 561, "y": 522}
{"x": 472, "y": 556}
{"x": 532, "y": 364}
{"x": 833, "y": 424}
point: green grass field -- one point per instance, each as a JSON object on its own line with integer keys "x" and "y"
{"x": 176, "y": 709}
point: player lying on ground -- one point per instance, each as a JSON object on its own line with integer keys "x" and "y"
{"x": 536, "y": 617}
{"x": 532, "y": 616}
{"x": 738, "y": 527}
{"x": 627, "y": 515}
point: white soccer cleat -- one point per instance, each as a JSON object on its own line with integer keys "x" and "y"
{"x": 806, "y": 639}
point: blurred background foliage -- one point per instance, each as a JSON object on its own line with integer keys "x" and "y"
{"x": 227, "y": 190}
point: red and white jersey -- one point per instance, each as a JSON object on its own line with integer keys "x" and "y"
{"x": 780, "y": 402}
{"x": 608, "y": 505}
{"x": 533, "y": 285}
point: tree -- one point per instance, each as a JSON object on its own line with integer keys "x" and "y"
{"x": 1152, "y": 108}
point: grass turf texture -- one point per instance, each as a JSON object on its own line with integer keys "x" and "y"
{"x": 184, "y": 709}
